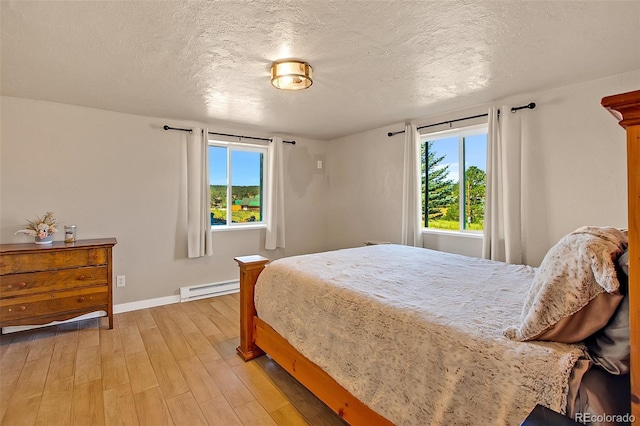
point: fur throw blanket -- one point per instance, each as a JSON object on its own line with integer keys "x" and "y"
{"x": 579, "y": 268}
{"x": 416, "y": 334}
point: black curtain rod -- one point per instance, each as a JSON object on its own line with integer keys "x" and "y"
{"x": 531, "y": 105}
{"x": 249, "y": 137}
{"x": 226, "y": 134}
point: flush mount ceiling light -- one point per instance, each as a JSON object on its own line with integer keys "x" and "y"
{"x": 290, "y": 74}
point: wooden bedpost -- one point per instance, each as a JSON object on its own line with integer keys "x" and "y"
{"x": 250, "y": 268}
{"x": 626, "y": 108}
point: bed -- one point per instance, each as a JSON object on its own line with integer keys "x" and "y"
{"x": 447, "y": 365}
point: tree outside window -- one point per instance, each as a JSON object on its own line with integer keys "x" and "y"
{"x": 446, "y": 186}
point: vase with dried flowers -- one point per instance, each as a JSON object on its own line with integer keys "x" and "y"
{"x": 42, "y": 229}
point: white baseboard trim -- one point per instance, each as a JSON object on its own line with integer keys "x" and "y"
{"x": 144, "y": 304}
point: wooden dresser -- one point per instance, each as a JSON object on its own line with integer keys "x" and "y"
{"x": 44, "y": 283}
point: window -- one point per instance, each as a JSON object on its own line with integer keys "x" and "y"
{"x": 453, "y": 196}
{"x": 237, "y": 183}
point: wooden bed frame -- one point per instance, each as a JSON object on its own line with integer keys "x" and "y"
{"x": 258, "y": 338}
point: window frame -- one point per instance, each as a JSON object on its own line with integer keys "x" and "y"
{"x": 461, "y": 132}
{"x": 245, "y": 147}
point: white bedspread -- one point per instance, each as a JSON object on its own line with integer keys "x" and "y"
{"x": 416, "y": 334}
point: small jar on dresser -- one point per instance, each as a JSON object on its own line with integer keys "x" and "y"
{"x": 40, "y": 284}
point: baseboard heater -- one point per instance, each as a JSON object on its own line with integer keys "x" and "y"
{"x": 202, "y": 291}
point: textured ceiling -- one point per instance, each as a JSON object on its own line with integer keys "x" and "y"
{"x": 375, "y": 62}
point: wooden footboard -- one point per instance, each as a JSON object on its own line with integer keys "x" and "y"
{"x": 250, "y": 268}
{"x": 257, "y": 337}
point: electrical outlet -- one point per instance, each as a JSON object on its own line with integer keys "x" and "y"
{"x": 319, "y": 163}
{"x": 120, "y": 282}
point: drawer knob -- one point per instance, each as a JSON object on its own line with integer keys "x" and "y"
{"x": 22, "y": 308}
{"x": 21, "y": 285}
{"x": 81, "y": 299}
{"x": 81, "y": 277}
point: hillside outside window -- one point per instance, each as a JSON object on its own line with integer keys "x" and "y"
{"x": 237, "y": 184}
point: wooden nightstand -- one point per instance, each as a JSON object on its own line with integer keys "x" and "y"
{"x": 542, "y": 416}
{"x": 40, "y": 284}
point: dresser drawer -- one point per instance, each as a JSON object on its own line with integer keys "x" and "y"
{"x": 34, "y": 282}
{"x": 52, "y": 303}
{"x": 13, "y": 263}
{"x": 55, "y": 282}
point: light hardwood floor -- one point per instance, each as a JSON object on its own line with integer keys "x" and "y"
{"x": 171, "y": 365}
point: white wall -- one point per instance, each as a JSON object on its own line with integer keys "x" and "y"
{"x": 365, "y": 183}
{"x": 574, "y": 172}
{"x": 120, "y": 175}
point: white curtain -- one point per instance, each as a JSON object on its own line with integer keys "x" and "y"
{"x": 411, "y": 188}
{"x": 275, "y": 195}
{"x": 502, "y": 215}
{"x": 198, "y": 195}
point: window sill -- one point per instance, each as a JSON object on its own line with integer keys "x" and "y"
{"x": 462, "y": 234}
{"x": 238, "y": 227}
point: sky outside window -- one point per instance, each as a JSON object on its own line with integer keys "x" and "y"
{"x": 217, "y": 165}
{"x": 245, "y": 166}
{"x": 475, "y": 153}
